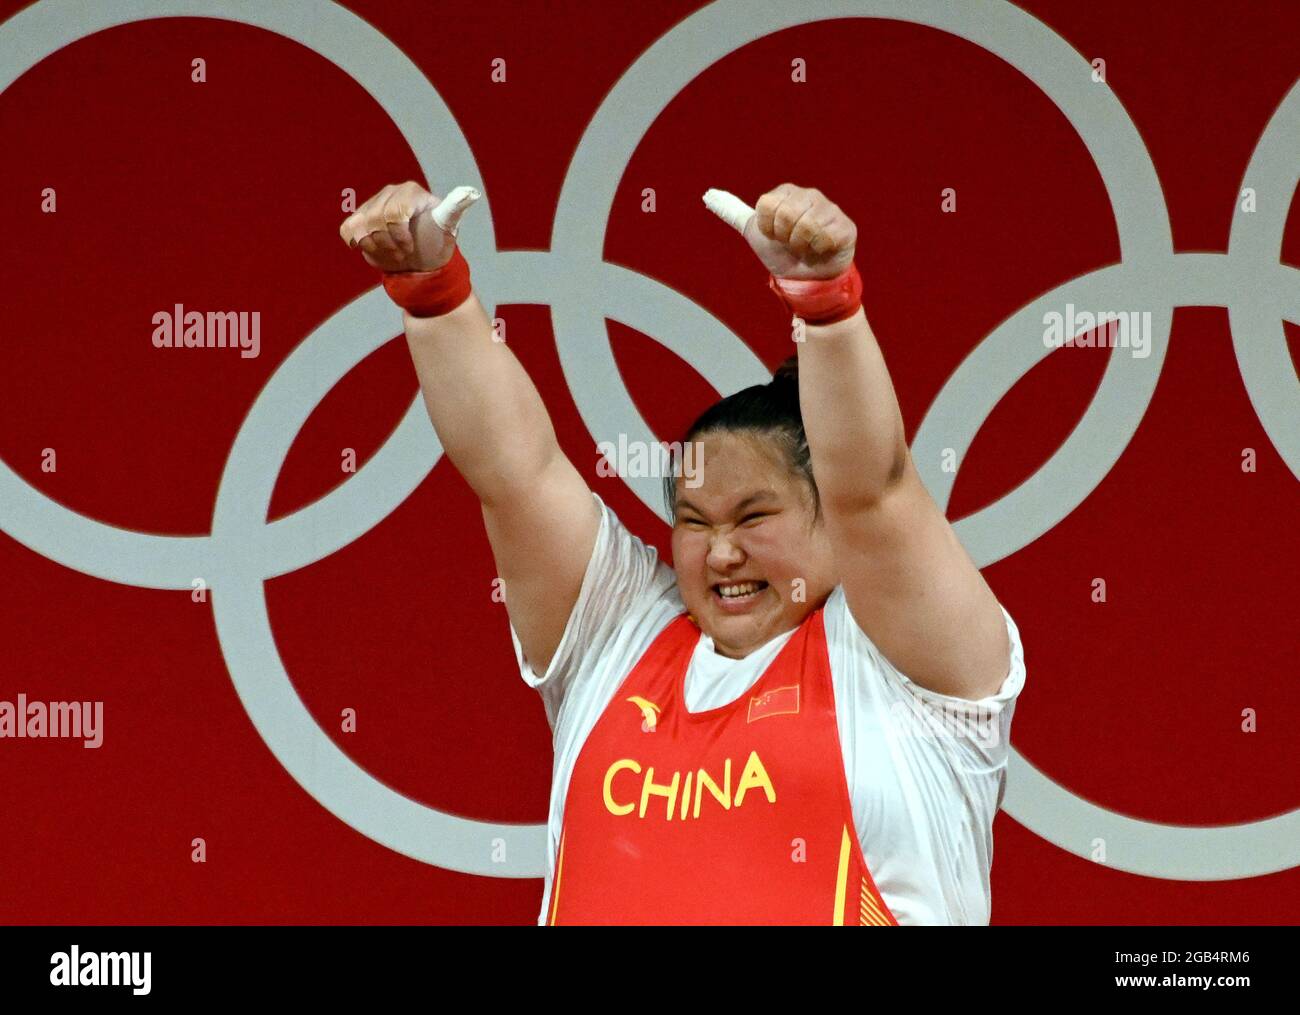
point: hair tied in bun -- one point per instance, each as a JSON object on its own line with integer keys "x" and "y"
{"x": 787, "y": 372}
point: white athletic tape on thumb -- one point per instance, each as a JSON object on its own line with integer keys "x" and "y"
{"x": 728, "y": 207}
{"x": 453, "y": 206}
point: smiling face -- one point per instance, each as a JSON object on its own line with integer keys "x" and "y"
{"x": 740, "y": 540}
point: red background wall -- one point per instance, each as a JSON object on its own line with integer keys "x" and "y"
{"x": 227, "y": 194}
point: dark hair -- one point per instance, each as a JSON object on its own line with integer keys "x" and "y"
{"x": 769, "y": 410}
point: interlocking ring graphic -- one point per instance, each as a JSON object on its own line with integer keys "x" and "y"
{"x": 243, "y": 550}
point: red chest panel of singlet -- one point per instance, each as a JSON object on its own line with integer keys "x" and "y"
{"x": 735, "y": 815}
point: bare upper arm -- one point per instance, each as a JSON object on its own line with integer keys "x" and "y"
{"x": 914, "y": 590}
{"x": 542, "y": 536}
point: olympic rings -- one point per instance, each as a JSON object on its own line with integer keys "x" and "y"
{"x": 243, "y": 550}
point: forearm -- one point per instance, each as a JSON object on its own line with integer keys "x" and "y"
{"x": 486, "y": 410}
{"x": 851, "y": 415}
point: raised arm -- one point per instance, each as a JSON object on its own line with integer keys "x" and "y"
{"x": 540, "y": 516}
{"x": 908, "y": 581}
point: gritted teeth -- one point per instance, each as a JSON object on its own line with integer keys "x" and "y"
{"x": 728, "y": 591}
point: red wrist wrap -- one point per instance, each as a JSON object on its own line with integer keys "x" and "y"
{"x": 820, "y": 300}
{"x": 430, "y": 293}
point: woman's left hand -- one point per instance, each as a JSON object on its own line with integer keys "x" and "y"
{"x": 797, "y": 232}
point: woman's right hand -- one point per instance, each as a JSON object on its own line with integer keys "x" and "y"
{"x": 395, "y": 230}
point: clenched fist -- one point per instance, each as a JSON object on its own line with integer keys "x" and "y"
{"x": 406, "y": 228}
{"x": 797, "y": 232}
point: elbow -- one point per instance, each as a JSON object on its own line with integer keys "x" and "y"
{"x": 868, "y": 491}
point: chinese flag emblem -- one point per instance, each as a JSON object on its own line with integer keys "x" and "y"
{"x": 778, "y": 701}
